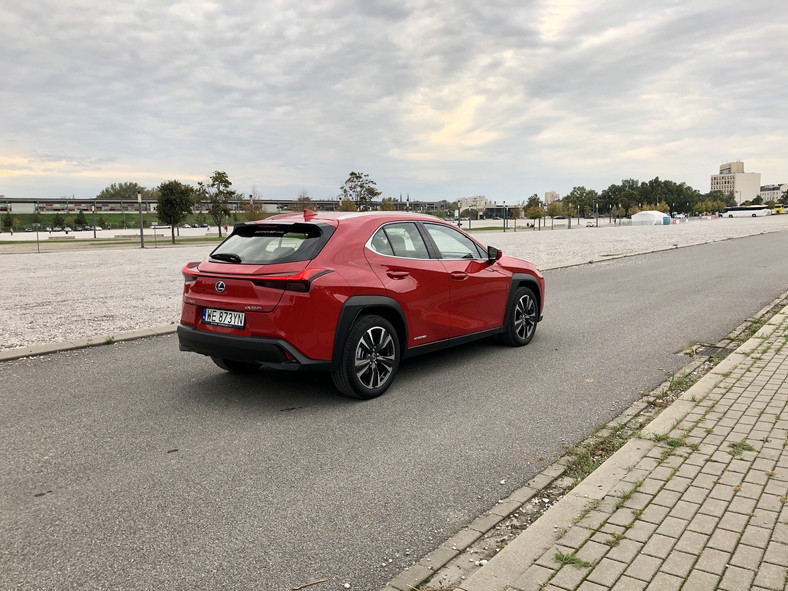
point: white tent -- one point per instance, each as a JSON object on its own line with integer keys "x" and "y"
{"x": 651, "y": 218}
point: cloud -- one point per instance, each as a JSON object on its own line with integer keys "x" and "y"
{"x": 507, "y": 97}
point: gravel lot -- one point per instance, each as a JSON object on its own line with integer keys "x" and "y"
{"x": 95, "y": 293}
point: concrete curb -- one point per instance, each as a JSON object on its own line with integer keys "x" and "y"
{"x": 83, "y": 343}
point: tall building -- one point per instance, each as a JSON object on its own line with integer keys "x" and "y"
{"x": 551, "y": 196}
{"x": 745, "y": 186}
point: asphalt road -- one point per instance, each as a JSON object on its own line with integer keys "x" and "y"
{"x": 137, "y": 466}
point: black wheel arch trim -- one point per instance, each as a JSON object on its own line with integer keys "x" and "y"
{"x": 354, "y": 306}
{"x": 527, "y": 280}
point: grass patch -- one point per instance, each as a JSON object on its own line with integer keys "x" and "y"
{"x": 565, "y": 559}
{"x": 588, "y": 456}
{"x": 739, "y": 447}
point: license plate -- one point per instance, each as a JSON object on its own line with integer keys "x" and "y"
{"x": 223, "y": 317}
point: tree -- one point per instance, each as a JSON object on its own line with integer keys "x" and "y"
{"x": 347, "y": 205}
{"x": 218, "y": 194}
{"x": 303, "y": 201}
{"x": 8, "y": 221}
{"x": 387, "y": 204}
{"x": 175, "y": 202}
{"x": 583, "y": 199}
{"x": 784, "y": 198}
{"x": 360, "y": 189}
{"x": 253, "y": 208}
{"x": 81, "y": 220}
{"x": 534, "y": 212}
{"x": 125, "y": 191}
{"x": 471, "y": 213}
{"x": 628, "y": 200}
{"x": 57, "y": 221}
{"x": 553, "y": 210}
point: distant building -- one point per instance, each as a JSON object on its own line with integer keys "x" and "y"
{"x": 550, "y": 197}
{"x": 744, "y": 186}
{"x": 477, "y": 202}
{"x": 773, "y": 192}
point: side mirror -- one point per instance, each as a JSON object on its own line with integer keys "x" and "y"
{"x": 493, "y": 254}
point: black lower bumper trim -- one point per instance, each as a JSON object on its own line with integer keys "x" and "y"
{"x": 265, "y": 351}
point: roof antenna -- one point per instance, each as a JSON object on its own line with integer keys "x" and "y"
{"x": 309, "y": 214}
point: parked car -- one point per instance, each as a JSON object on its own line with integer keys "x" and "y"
{"x": 352, "y": 294}
{"x": 57, "y": 229}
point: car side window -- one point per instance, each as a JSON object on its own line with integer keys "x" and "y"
{"x": 453, "y": 244}
{"x": 400, "y": 240}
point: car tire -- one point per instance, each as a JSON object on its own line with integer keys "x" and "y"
{"x": 522, "y": 314}
{"x": 369, "y": 359}
{"x": 236, "y": 366}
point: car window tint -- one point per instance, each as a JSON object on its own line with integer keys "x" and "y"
{"x": 453, "y": 244}
{"x": 380, "y": 243}
{"x": 271, "y": 245}
{"x": 405, "y": 240}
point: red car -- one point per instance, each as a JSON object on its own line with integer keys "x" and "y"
{"x": 352, "y": 294}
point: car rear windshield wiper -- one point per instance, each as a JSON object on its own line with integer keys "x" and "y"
{"x": 226, "y": 256}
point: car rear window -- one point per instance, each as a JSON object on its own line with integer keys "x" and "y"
{"x": 270, "y": 244}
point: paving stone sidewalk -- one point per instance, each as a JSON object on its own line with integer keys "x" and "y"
{"x": 699, "y": 501}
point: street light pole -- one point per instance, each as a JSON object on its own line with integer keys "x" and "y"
{"x": 139, "y": 204}
{"x": 37, "y": 224}
{"x": 93, "y": 210}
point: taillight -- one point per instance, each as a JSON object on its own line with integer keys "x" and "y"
{"x": 299, "y": 282}
{"x": 188, "y": 272}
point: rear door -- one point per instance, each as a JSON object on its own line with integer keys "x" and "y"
{"x": 398, "y": 255}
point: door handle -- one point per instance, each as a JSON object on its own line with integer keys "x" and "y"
{"x": 397, "y": 274}
{"x": 459, "y": 275}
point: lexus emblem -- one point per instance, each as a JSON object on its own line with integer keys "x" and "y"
{"x": 220, "y": 286}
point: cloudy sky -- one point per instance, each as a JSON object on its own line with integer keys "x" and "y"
{"x": 432, "y": 99}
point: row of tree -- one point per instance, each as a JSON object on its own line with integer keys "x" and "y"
{"x": 176, "y": 200}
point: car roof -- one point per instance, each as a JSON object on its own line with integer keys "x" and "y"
{"x": 352, "y": 217}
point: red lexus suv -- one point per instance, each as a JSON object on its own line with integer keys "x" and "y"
{"x": 352, "y": 294}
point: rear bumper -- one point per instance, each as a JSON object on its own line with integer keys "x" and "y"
{"x": 273, "y": 353}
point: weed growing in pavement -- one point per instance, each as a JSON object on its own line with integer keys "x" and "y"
{"x": 588, "y": 508}
{"x": 625, "y": 496}
{"x": 739, "y": 447}
{"x": 588, "y": 456}
{"x": 614, "y": 540}
{"x": 109, "y": 340}
{"x": 572, "y": 558}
